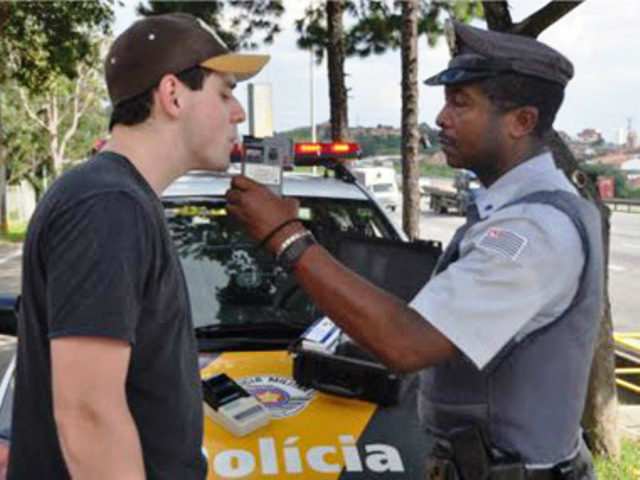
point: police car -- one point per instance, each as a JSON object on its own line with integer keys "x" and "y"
{"x": 248, "y": 311}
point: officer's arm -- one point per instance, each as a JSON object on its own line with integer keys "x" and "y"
{"x": 97, "y": 433}
{"x": 397, "y": 334}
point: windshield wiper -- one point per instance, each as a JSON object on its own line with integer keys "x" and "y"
{"x": 249, "y": 329}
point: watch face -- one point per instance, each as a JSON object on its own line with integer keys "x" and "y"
{"x": 450, "y": 35}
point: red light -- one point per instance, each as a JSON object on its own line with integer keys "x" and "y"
{"x": 308, "y": 148}
{"x": 344, "y": 148}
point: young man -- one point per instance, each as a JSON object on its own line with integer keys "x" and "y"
{"x": 504, "y": 331}
{"x": 107, "y": 383}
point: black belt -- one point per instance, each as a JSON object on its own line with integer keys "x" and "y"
{"x": 574, "y": 469}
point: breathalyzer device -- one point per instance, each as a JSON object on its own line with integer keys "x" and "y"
{"x": 262, "y": 161}
{"x": 232, "y": 407}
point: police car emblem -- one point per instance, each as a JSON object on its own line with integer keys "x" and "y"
{"x": 282, "y": 396}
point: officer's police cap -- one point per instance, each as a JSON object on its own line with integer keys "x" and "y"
{"x": 478, "y": 54}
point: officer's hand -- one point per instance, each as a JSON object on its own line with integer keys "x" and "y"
{"x": 259, "y": 209}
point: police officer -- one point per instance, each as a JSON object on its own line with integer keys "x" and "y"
{"x": 503, "y": 334}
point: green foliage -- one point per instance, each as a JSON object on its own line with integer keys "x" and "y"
{"x": 43, "y": 40}
{"x": 596, "y": 171}
{"x": 28, "y": 153}
{"x": 245, "y": 18}
{"x": 627, "y": 468}
{"x": 377, "y": 24}
{"x": 26, "y": 148}
{"x": 633, "y": 192}
{"x": 15, "y": 234}
{"x": 431, "y": 170}
{"x": 374, "y": 145}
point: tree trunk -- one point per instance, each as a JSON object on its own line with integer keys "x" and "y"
{"x": 335, "y": 60}
{"x": 601, "y": 410}
{"x": 410, "y": 133}
{"x": 600, "y": 416}
{"x": 4, "y": 223}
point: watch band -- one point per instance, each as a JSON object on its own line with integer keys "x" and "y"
{"x": 293, "y": 247}
{"x": 289, "y": 240}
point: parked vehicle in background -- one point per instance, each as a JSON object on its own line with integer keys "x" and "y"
{"x": 381, "y": 181}
{"x": 464, "y": 190}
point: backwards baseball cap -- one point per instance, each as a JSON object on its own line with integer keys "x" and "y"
{"x": 170, "y": 43}
{"x": 478, "y": 54}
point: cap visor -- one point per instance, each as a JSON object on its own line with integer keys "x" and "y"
{"x": 243, "y": 66}
{"x": 453, "y": 76}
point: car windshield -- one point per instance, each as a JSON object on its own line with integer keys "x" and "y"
{"x": 233, "y": 283}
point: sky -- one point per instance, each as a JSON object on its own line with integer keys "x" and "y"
{"x": 600, "y": 37}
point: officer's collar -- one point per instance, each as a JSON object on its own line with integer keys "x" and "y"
{"x": 514, "y": 184}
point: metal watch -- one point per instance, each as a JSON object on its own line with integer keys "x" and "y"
{"x": 288, "y": 257}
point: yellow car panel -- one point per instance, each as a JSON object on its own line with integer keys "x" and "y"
{"x": 285, "y": 448}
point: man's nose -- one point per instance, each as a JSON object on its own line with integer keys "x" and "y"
{"x": 238, "y": 115}
{"x": 443, "y": 119}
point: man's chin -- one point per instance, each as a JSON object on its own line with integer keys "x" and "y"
{"x": 452, "y": 160}
{"x": 219, "y": 164}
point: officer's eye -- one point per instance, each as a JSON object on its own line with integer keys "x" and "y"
{"x": 459, "y": 100}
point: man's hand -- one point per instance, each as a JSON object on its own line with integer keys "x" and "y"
{"x": 259, "y": 209}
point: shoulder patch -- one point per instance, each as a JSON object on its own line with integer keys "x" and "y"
{"x": 505, "y": 242}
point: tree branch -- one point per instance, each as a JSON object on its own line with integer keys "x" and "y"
{"x": 537, "y": 22}
{"x": 497, "y": 15}
{"x": 76, "y": 113}
{"x": 30, "y": 113}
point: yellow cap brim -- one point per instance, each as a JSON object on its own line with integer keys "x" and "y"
{"x": 243, "y": 66}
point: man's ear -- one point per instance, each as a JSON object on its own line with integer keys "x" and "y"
{"x": 522, "y": 121}
{"x": 168, "y": 95}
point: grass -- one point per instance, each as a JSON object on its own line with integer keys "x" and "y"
{"x": 16, "y": 233}
{"x": 628, "y": 468}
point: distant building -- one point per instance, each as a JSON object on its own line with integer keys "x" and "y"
{"x": 590, "y": 136}
{"x": 632, "y": 135}
{"x": 631, "y": 168}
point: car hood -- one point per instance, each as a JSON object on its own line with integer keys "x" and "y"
{"x": 316, "y": 435}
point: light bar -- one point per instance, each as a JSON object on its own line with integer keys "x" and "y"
{"x": 308, "y": 148}
{"x": 325, "y": 153}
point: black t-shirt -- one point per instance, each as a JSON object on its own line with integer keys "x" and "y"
{"x": 99, "y": 261}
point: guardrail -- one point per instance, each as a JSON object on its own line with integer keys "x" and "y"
{"x": 627, "y": 351}
{"x": 631, "y": 204}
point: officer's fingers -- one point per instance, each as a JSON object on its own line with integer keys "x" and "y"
{"x": 241, "y": 182}
{"x": 237, "y": 213}
{"x": 233, "y": 196}
{"x": 291, "y": 204}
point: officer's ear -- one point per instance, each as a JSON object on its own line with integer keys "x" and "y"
{"x": 522, "y": 121}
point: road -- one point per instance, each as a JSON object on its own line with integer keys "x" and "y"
{"x": 624, "y": 262}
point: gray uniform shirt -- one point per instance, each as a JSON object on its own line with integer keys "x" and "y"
{"x": 518, "y": 269}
